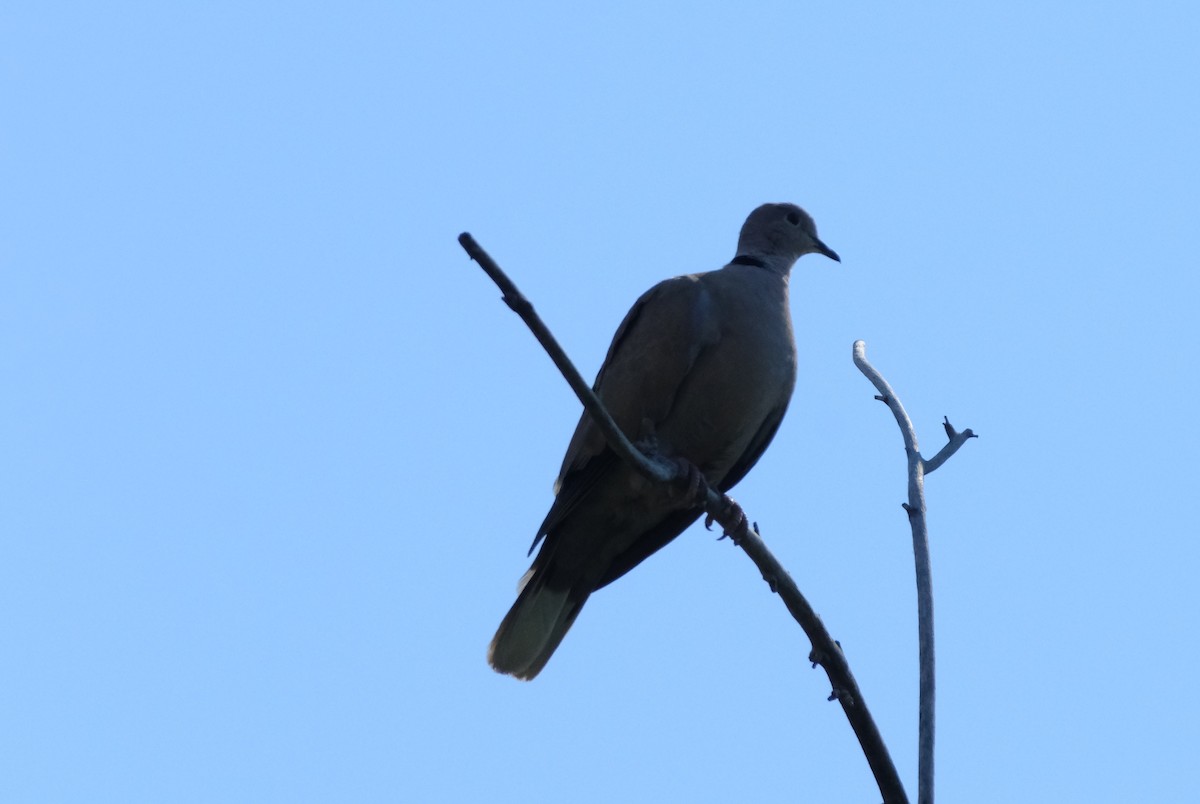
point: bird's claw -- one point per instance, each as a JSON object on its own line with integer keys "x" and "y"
{"x": 734, "y": 523}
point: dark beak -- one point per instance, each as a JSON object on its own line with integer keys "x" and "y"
{"x": 827, "y": 251}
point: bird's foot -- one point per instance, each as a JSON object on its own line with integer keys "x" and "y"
{"x": 734, "y": 523}
{"x": 690, "y": 484}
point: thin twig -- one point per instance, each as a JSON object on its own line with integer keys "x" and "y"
{"x": 724, "y": 510}
{"x": 957, "y": 439}
{"x": 660, "y": 471}
{"x": 918, "y": 467}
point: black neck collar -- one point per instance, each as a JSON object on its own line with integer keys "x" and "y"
{"x": 742, "y": 259}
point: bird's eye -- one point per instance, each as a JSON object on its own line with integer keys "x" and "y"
{"x": 793, "y": 218}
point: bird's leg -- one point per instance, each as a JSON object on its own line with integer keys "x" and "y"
{"x": 691, "y": 482}
{"x": 647, "y": 440}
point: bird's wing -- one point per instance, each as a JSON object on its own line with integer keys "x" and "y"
{"x": 648, "y": 361}
{"x": 754, "y": 449}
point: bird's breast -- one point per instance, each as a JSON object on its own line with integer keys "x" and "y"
{"x": 737, "y": 382}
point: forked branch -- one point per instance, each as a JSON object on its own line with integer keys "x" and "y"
{"x": 918, "y": 467}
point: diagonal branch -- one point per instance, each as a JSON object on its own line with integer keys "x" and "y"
{"x": 918, "y": 467}
{"x": 724, "y": 510}
{"x": 660, "y": 471}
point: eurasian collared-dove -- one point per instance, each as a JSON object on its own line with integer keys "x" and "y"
{"x": 703, "y": 365}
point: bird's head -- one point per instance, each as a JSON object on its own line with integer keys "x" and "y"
{"x": 780, "y": 234}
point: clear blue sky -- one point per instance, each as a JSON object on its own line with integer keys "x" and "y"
{"x": 272, "y": 449}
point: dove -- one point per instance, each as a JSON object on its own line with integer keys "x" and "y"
{"x": 702, "y": 369}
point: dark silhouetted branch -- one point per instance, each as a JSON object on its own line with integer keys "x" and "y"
{"x": 720, "y": 508}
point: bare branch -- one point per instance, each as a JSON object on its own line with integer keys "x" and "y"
{"x": 733, "y": 521}
{"x": 915, "y": 507}
{"x": 654, "y": 470}
{"x": 957, "y": 439}
{"x": 828, "y": 653}
{"x": 886, "y": 395}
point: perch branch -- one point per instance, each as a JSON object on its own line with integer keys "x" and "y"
{"x": 918, "y": 467}
{"x": 654, "y": 470}
{"x": 725, "y": 511}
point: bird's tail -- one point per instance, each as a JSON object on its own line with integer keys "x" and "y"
{"x": 533, "y": 627}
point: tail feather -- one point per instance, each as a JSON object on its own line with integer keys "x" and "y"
{"x": 533, "y": 629}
